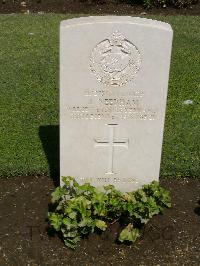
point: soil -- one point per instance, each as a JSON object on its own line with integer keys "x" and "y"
{"x": 99, "y": 7}
{"x": 169, "y": 239}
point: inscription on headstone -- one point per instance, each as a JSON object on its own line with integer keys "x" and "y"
{"x": 113, "y": 89}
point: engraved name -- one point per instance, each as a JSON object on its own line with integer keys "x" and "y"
{"x": 109, "y": 104}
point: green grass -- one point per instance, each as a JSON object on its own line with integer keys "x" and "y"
{"x": 29, "y": 94}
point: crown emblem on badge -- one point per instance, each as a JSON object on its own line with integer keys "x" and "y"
{"x": 115, "y": 60}
{"x": 116, "y": 38}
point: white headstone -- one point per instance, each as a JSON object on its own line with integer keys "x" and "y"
{"x": 113, "y": 89}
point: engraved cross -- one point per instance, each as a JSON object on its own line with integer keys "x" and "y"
{"x": 111, "y": 144}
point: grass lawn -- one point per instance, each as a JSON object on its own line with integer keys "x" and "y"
{"x": 29, "y": 94}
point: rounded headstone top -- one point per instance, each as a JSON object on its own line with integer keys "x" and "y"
{"x": 116, "y": 19}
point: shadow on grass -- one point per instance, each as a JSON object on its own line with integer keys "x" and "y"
{"x": 197, "y": 209}
{"x": 49, "y": 136}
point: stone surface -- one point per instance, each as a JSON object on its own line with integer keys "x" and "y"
{"x": 113, "y": 89}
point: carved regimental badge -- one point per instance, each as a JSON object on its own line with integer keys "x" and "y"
{"x": 115, "y": 60}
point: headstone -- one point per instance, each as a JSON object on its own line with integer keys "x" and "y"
{"x": 113, "y": 90}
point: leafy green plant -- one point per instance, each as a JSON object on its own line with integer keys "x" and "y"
{"x": 165, "y": 3}
{"x": 81, "y": 209}
{"x": 183, "y": 3}
{"x": 147, "y": 3}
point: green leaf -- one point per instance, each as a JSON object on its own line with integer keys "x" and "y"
{"x": 129, "y": 234}
{"x": 86, "y": 190}
{"x": 86, "y": 222}
{"x": 101, "y": 225}
{"x": 72, "y": 215}
{"x": 69, "y": 181}
{"x": 109, "y": 188}
{"x": 55, "y": 220}
{"x": 57, "y": 194}
{"x": 72, "y": 242}
{"x": 69, "y": 223}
